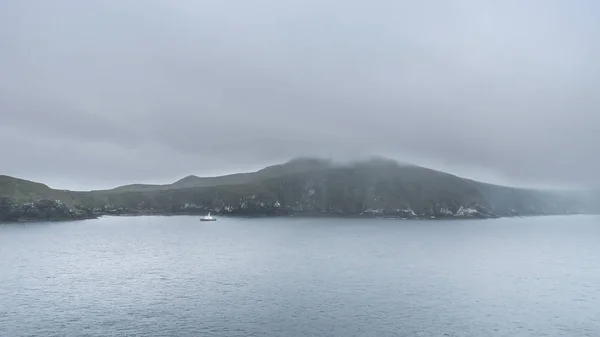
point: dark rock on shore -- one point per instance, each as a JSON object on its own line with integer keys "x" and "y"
{"x": 41, "y": 210}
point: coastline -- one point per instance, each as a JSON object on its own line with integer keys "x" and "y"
{"x": 55, "y": 210}
{"x": 281, "y": 216}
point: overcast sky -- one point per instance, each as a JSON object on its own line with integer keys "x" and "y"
{"x": 98, "y": 93}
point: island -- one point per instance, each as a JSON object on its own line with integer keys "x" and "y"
{"x": 377, "y": 187}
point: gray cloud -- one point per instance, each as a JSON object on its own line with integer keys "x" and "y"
{"x": 98, "y": 93}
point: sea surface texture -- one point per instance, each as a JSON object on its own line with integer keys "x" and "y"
{"x": 177, "y": 276}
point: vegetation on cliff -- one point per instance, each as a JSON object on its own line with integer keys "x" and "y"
{"x": 377, "y": 187}
{"x": 11, "y": 211}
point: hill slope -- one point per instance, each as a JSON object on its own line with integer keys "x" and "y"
{"x": 313, "y": 186}
{"x": 22, "y": 200}
{"x": 293, "y": 166}
{"x": 21, "y": 190}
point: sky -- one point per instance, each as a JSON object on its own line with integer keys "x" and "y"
{"x": 99, "y": 93}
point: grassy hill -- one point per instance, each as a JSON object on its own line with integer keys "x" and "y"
{"x": 293, "y": 166}
{"x": 306, "y": 185}
{"x": 312, "y": 186}
{"x": 21, "y": 190}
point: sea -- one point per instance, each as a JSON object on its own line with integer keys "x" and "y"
{"x": 177, "y": 276}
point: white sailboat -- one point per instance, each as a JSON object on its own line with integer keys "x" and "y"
{"x": 208, "y": 218}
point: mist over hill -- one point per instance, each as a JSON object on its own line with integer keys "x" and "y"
{"x": 306, "y": 186}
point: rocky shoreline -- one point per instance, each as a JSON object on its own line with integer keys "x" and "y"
{"x": 42, "y": 210}
{"x": 55, "y": 210}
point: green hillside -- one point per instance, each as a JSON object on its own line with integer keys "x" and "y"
{"x": 313, "y": 186}
{"x": 21, "y": 190}
{"x": 377, "y": 187}
{"x": 291, "y": 167}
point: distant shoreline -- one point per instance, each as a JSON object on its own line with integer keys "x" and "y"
{"x": 470, "y": 214}
{"x": 331, "y": 216}
{"x": 229, "y": 216}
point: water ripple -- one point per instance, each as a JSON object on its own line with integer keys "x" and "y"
{"x": 175, "y": 276}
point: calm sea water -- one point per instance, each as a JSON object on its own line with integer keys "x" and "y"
{"x": 177, "y": 276}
